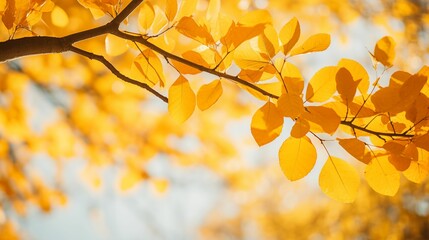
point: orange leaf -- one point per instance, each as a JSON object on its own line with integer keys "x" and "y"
{"x": 209, "y": 94}
{"x": 418, "y": 170}
{"x": 322, "y": 119}
{"x": 339, "y": 180}
{"x": 300, "y": 128}
{"x": 267, "y": 124}
{"x": 290, "y": 105}
{"x": 199, "y": 32}
{"x": 297, "y": 157}
{"x": 358, "y": 73}
{"x": 146, "y": 17}
{"x": 346, "y": 87}
{"x": 171, "y": 9}
{"x": 384, "y": 51}
{"x": 181, "y": 100}
{"x": 354, "y": 147}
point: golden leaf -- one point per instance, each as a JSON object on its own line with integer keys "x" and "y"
{"x": 208, "y": 94}
{"x": 297, "y": 157}
{"x": 181, "y": 100}
{"x": 339, "y": 180}
{"x": 267, "y": 124}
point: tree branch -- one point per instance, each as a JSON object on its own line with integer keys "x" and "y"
{"x": 115, "y": 71}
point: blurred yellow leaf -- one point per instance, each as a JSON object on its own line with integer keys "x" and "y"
{"x": 339, "y": 180}
{"x": 297, "y": 157}
{"x": 382, "y": 176}
{"x": 59, "y": 17}
{"x": 267, "y": 124}
{"x": 384, "y": 51}
{"x": 187, "y": 8}
{"x": 171, "y": 9}
{"x": 208, "y": 94}
{"x": 181, "y": 100}
{"x": 316, "y": 43}
{"x": 146, "y": 17}
{"x": 115, "y": 46}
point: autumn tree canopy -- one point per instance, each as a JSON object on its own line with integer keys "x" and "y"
{"x": 191, "y": 56}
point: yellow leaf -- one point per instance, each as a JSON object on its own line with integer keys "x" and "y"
{"x": 59, "y": 17}
{"x": 209, "y": 94}
{"x": 237, "y": 34}
{"x": 247, "y": 57}
{"x": 398, "y": 78}
{"x": 382, "y": 176}
{"x": 160, "y": 185}
{"x": 146, "y": 17}
{"x": 297, "y": 157}
{"x": 187, "y": 8}
{"x": 322, "y": 85}
{"x": 199, "y": 32}
{"x": 339, "y": 180}
{"x": 300, "y": 128}
{"x": 322, "y": 119}
{"x": 171, "y": 9}
{"x": 181, "y": 100}
{"x": 412, "y": 87}
{"x": 159, "y": 22}
{"x": 418, "y": 170}
{"x": 115, "y": 46}
{"x": 129, "y": 179}
{"x": 291, "y": 75}
{"x": 358, "y": 73}
{"x": 269, "y": 41}
{"x": 379, "y": 99}
{"x": 213, "y": 9}
{"x": 346, "y": 87}
{"x": 354, "y": 147}
{"x": 289, "y": 35}
{"x": 267, "y": 124}
{"x": 290, "y": 105}
{"x": 316, "y": 43}
{"x": 193, "y": 56}
{"x": 148, "y": 68}
{"x": 384, "y": 51}
{"x": 256, "y": 17}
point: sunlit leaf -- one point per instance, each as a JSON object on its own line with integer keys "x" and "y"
{"x": 289, "y": 35}
{"x": 148, "y": 68}
{"x": 237, "y": 34}
{"x": 297, "y": 157}
{"x": 316, "y": 43}
{"x": 170, "y": 9}
{"x": 256, "y": 17}
{"x": 181, "y": 100}
{"x": 246, "y": 57}
{"x": 208, "y": 94}
{"x": 384, "y": 51}
{"x": 213, "y": 9}
{"x": 59, "y": 17}
{"x": 115, "y": 46}
{"x": 339, "y": 180}
{"x": 269, "y": 41}
{"x": 187, "y": 8}
{"x": 267, "y": 124}
{"x": 146, "y": 17}
{"x": 290, "y": 105}
{"x": 382, "y": 176}
{"x": 322, "y": 85}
